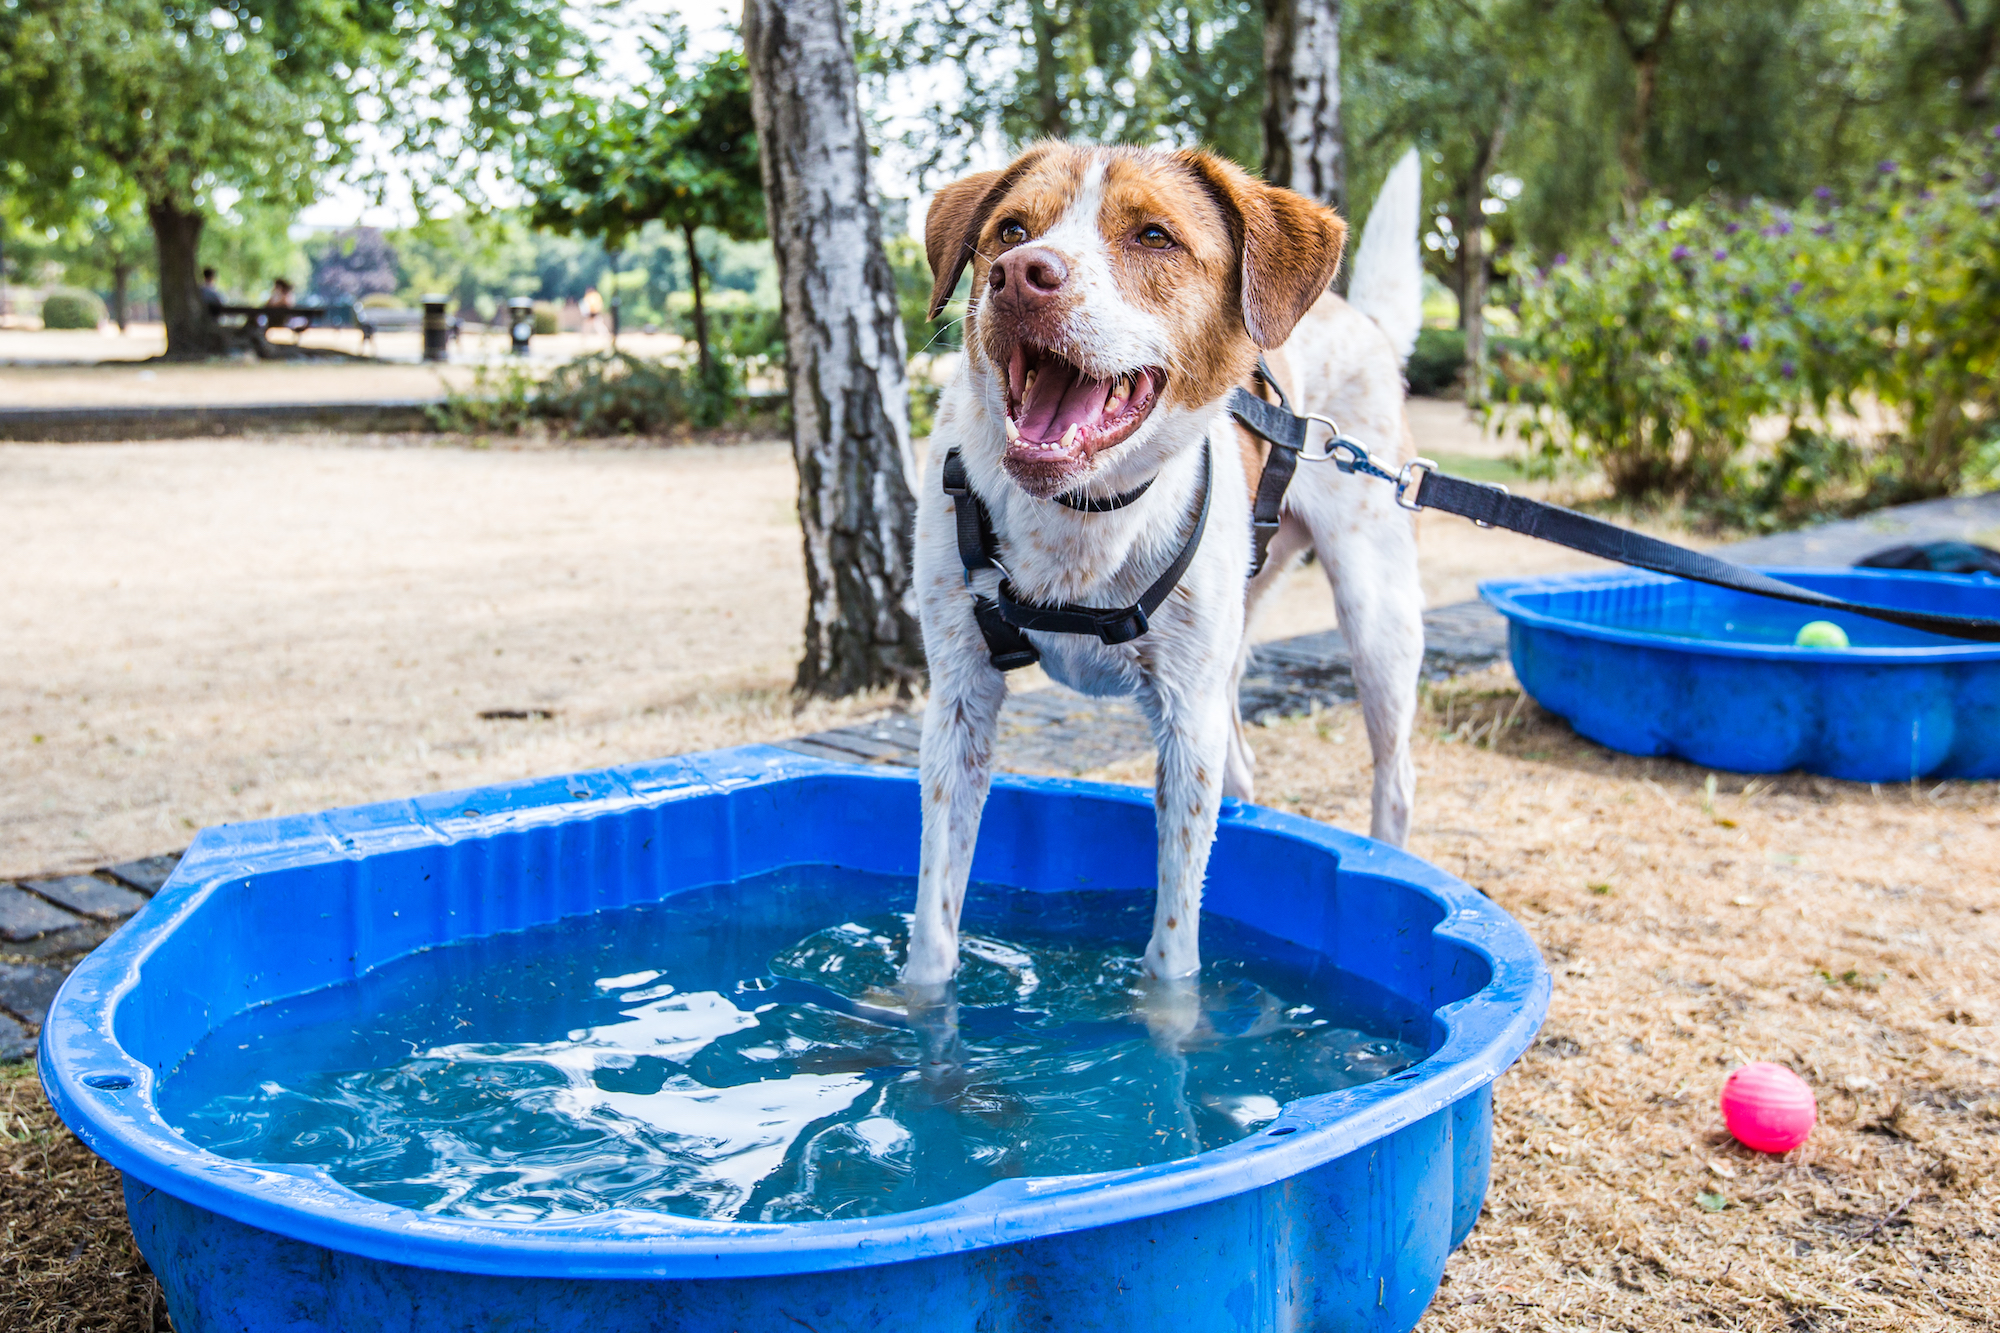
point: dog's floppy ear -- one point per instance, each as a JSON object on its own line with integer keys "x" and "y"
{"x": 951, "y": 231}
{"x": 960, "y": 210}
{"x": 1289, "y": 246}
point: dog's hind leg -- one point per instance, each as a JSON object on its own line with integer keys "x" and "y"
{"x": 1191, "y": 731}
{"x": 1238, "y": 772}
{"x": 1368, "y": 546}
{"x": 956, "y": 765}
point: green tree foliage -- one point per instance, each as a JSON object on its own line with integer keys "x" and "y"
{"x": 681, "y": 151}
{"x": 1179, "y": 72}
{"x": 194, "y": 107}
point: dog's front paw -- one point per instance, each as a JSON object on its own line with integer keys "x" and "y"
{"x": 929, "y": 966}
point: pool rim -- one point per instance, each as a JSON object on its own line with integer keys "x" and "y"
{"x": 1484, "y": 1034}
{"x": 1506, "y": 597}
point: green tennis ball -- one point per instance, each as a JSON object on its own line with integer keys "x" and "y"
{"x": 1821, "y": 634}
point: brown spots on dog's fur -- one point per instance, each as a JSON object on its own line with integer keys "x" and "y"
{"x": 1288, "y": 245}
{"x": 958, "y": 217}
{"x": 1247, "y": 259}
{"x": 1173, "y": 922}
{"x": 1192, "y": 287}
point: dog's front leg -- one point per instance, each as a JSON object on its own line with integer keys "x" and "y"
{"x": 1191, "y": 732}
{"x": 956, "y": 765}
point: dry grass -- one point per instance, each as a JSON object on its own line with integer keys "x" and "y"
{"x": 67, "y": 1260}
{"x": 1850, "y": 932}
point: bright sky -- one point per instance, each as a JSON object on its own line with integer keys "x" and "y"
{"x": 710, "y": 29}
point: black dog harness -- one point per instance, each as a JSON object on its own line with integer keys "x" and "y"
{"x": 1003, "y": 620}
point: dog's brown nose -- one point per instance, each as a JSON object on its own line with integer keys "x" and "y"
{"x": 1028, "y": 276}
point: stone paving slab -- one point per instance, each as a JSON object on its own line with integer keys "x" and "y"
{"x": 148, "y": 874}
{"x": 27, "y": 989}
{"x": 87, "y": 895}
{"x": 15, "y": 1041}
{"x": 1974, "y": 518}
{"x": 26, "y": 919}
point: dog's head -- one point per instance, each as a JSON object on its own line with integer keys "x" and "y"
{"x": 1119, "y": 293}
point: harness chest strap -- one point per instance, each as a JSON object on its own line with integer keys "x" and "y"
{"x": 1002, "y": 620}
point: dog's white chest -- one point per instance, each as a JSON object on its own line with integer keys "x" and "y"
{"x": 1086, "y": 666}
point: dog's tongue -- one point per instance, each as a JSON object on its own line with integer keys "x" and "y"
{"x": 1062, "y": 396}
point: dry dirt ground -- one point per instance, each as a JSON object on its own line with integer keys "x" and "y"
{"x": 204, "y": 631}
{"x": 1850, "y": 932}
{"x": 1695, "y": 921}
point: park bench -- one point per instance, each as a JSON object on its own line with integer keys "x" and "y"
{"x": 265, "y": 318}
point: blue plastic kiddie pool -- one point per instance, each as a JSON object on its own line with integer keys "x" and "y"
{"x": 1338, "y": 1214}
{"x": 1652, "y": 665}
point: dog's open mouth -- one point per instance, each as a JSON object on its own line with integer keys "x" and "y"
{"x": 1056, "y": 413}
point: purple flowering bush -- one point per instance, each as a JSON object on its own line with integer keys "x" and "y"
{"x": 1653, "y": 356}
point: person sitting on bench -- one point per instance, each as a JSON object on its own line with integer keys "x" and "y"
{"x": 210, "y": 294}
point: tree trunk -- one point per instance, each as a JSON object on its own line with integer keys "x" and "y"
{"x": 192, "y": 332}
{"x": 1472, "y": 257}
{"x": 121, "y": 281}
{"x": 1472, "y": 304}
{"x": 1303, "y": 145}
{"x": 700, "y": 314}
{"x": 844, "y": 351}
{"x": 1645, "y": 53}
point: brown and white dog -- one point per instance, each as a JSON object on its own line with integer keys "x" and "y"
{"x": 1118, "y": 295}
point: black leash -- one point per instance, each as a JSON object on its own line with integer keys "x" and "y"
{"x": 1002, "y": 621}
{"x": 1419, "y": 485}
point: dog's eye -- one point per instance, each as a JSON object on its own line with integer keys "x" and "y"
{"x": 1012, "y": 233}
{"x": 1154, "y": 238}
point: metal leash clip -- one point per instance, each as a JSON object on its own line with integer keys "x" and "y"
{"x": 1343, "y": 451}
{"x": 1410, "y": 480}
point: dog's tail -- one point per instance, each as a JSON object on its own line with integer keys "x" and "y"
{"x": 1388, "y": 282}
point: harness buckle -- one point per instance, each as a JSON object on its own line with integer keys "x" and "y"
{"x": 1123, "y": 626}
{"x": 1410, "y": 480}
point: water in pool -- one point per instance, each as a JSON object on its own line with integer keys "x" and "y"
{"x": 717, "y": 1055}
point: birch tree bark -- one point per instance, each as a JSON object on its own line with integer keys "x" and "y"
{"x": 844, "y": 351}
{"x": 1303, "y": 148}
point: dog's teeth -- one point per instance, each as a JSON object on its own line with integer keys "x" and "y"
{"x": 1028, "y": 384}
{"x": 1069, "y": 436}
{"x": 1013, "y": 431}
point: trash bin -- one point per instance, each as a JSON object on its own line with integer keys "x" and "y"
{"x": 437, "y": 329}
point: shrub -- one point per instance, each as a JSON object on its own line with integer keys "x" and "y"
{"x": 548, "y": 318}
{"x": 1437, "y": 362}
{"x": 1657, "y": 353}
{"x": 380, "y": 301}
{"x": 615, "y": 393}
{"x": 601, "y": 393}
{"x": 72, "y": 308}
{"x": 498, "y": 403}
